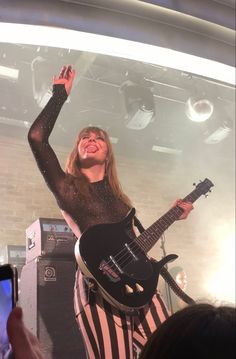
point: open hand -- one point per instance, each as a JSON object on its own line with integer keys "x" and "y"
{"x": 65, "y": 77}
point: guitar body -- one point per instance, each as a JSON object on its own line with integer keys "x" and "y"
{"x": 110, "y": 255}
{"x": 126, "y": 277}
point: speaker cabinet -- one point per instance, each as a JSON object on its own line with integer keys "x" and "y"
{"x": 49, "y": 237}
{"x": 46, "y": 296}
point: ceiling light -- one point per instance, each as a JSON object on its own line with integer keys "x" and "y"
{"x": 220, "y": 133}
{"x": 77, "y": 40}
{"x": 13, "y": 122}
{"x": 171, "y": 151}
{"x": 9, "y": 73}
{"x": 114, "y": 140}
{"x": 198, "y": 110}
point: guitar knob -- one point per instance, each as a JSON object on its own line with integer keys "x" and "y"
{"x": 128, "y": 289}
{"x": 139, "y": 287}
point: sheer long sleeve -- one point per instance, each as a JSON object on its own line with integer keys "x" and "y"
{"x": 38, "y": 138}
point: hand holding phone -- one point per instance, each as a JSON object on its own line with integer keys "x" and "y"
{"x": 8, "y": 298}
{"x": 25, "y": 344}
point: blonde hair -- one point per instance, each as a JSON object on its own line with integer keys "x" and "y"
{"x": 73, "y": 167}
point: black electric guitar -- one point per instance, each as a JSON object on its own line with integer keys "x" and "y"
{"x": 118, "y": 263}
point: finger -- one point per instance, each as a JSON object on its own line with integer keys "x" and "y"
{"x": 69, "y": 72}
{"x": 63, "y": 71}
{"x": 187, "y": 205}
{"x": 19, "y": 337}
{"x": 15, "y": 328}
{"x": 72, "y": 75}
{"x": 177, "y": 202}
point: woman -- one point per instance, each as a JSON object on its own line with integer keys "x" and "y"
{"x": 89, "y": 193}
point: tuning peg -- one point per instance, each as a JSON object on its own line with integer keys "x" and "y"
{"x": 194, "y": 184}
{"x": 206, "y": 195}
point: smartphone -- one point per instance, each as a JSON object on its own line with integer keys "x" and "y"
{"x": 8, "y": 299}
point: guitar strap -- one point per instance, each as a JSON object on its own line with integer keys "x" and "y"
{"x": 165, "y": 274}
{"x": 139, "y": 225}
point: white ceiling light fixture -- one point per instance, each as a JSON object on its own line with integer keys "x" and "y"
{"x": 220, "y": 133}
{"x": 9, "y": 73}
{"x": 114, "y": 140}
{"x": 199, "y": 110}
{"x": 168, "y": 150}
{"x": 14, "y": 122}
{"x": 76, "y": 40}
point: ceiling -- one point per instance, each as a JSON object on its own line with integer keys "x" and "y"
{"x": 98, "y": 98}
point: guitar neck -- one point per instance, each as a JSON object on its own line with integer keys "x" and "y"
{"x": 152, "y": 234}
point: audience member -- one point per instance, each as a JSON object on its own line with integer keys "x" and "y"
{"x": 199, "y": 331}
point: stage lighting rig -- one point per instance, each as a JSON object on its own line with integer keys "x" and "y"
{"x": 139, "y": 103}
{"x": 199, "y": 109}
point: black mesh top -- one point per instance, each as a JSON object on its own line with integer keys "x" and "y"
{"x": 101, "y": 206}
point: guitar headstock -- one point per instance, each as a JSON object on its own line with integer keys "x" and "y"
{"x": 204, "y": 187}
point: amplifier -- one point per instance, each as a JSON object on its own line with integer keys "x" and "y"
{"x": 46, "y": 296}
{"x": 13, "y": 254}
{"x": 49, "y": 237}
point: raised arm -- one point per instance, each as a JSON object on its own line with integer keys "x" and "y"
{"x": 42, "y": 127}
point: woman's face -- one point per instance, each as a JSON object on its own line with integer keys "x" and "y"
{"x": 92, "y": 149}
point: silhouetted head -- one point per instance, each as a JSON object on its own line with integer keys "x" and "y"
{"x": 200, "y": 331}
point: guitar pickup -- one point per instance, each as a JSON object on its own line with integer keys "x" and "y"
{"x": 109, "y": 272}
{"x": 131, "y": 252}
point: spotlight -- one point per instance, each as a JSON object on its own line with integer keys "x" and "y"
{"x": 198, "y": 110}
{"x": 220, "y": 133}
{"x": 139, "y": 104}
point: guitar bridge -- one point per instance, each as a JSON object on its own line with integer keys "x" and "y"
{"x": 109, "y": 272}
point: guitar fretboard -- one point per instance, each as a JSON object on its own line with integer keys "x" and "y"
{"x": 151, "y": 235}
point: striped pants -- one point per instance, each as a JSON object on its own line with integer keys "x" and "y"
{"x": 109, "y": 333}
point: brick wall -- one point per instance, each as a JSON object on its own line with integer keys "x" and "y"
{"x": 152, "y": 186}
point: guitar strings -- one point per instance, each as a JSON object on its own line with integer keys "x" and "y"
{"x": 122, "y": 258}
{"x": 138, "y": 246}
{"x": 141, "y": 245}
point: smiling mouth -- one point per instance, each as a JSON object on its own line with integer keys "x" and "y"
{"x": 91, "y": 148}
